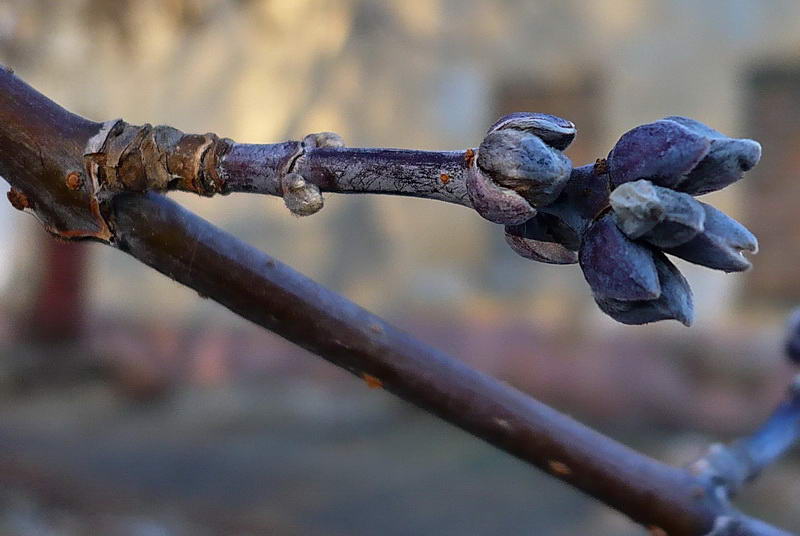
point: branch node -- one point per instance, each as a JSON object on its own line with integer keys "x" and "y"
{"x": 123, "y": 157}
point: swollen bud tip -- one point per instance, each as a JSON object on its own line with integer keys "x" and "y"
{"x": 681, "y": 154}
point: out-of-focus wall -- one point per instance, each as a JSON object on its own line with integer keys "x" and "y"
{"x": 422, "y": 73}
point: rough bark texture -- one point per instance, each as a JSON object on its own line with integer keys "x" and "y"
{"x": 42, "y": 150}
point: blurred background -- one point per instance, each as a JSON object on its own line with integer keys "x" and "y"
{"x": 132, "y": 406}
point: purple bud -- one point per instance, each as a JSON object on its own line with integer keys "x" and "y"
{"x": 521, "y": 161}
{"x": 720, "y": 245}
{"x": 616, "y": 267}
{"x": 725, "y": 164}
{"x": 568, "y": 217}
{"x": 495, "y": 203}
{"x": 662, "y": 152}
{"x": 701, "y": 129}
{"x": 538, "y": 250}
{"x": 726, "y": 161}
{"x": 682, "y": 154}
{"x": 660, "y": 216}
{"x": 554, "y": 131}
{"x": 675, "y": 301}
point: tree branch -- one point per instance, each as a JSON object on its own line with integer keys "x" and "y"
{"x": 252, "y": 284}
{"x": 42, "y": 155}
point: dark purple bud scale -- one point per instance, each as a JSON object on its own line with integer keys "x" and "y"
{"x": 616, "y": 267}
{"x": 519, "y": 166}
{"x": 720, "y": 245}
{"x": 521, "y": 161}
{"x": 621, "y": 216}
{"x": 674, "y": 303}
{"x": 583, "y": 198}
{"x": 534, "y": 229}
{"x": 659, "y": 216}
{"x": 495, "y": 203}
{"x": 682, "y": 154}
{"x": 661, "y": 152}
{"x": 725, "y": 164}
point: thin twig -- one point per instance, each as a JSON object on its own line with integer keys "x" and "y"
{"x": 427, "y": 174}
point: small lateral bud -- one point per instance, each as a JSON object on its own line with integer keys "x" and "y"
{"x": 523, "y": 162}
{"x": 301, "y": 197}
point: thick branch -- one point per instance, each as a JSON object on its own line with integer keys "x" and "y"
{"x": 39, "y": 146}
{"x": 252, "y": 284}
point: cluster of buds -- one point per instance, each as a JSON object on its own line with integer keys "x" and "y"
{"x": 620, "y": 216}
